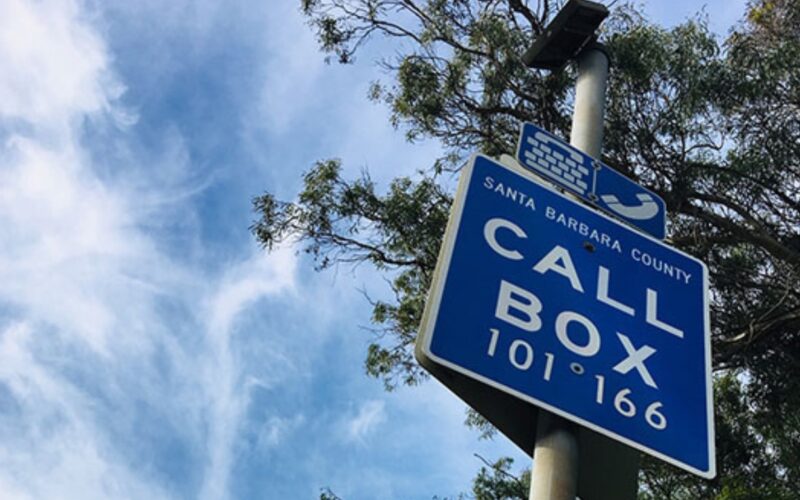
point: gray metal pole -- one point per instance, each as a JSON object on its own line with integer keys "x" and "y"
{"x": 555, "y": 458}
{"x": 590, "y": 101}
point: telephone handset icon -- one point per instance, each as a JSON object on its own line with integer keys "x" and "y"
{"x": 647, "y": 209}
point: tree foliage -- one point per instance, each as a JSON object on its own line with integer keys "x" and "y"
{"x": 711, "y": 125}
{"x": 495, "y": 482}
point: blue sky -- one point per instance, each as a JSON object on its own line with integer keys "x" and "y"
{"x": 148, "y": 347}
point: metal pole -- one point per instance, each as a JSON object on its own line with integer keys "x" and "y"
{"x": 590, "y": 101}
{"x": 555, "y": 458}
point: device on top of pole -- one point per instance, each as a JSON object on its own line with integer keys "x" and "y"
{"x": 566, "y": 35}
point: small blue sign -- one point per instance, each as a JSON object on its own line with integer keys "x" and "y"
{"x": 553, "y": 302}
{"x": 591, "y": 179}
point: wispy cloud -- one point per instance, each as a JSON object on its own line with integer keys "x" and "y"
{"x": 107, "y": 337}
{"x": 241, "y": 287}
{"x": 55, "y": 66}
{"x": 276, "y": 429}
{"x": 371, "y": 414}
{"x": 51, "y": 445}
{"x": 291, "y": 78}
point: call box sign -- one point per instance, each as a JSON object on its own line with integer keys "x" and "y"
{"x": 555, "y": 303}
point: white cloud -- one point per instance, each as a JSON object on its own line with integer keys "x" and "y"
{"x": 84, "y": 283}
{"x": 57, "y": 220}
{"x": 325, "y": 108}
{"x": 248, "y": 281}
{"x": 63, "y": 235}
{"x": 291, "y": 85}
{"x": 54, "y": 451}
{"x": 74, "y": 268}
{"x": 276, "y": 429}
{"x": 371, "y": 414}
{"x": 242, "y": 286}
{"x": 55, "y": 67}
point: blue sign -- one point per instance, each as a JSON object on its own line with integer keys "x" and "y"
{"x": 592, "y": 180}
{"x": 553, "y": 302}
